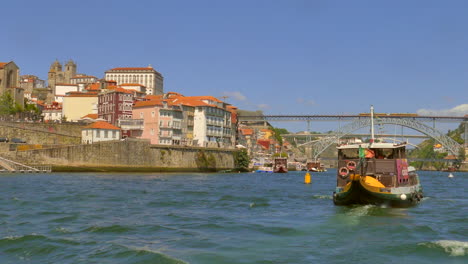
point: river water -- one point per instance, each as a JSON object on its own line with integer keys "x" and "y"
{"x": 222, "y": 218}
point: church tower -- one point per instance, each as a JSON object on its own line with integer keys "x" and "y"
{"x": 70, "y": 71}
{"x": 55, "y": 69}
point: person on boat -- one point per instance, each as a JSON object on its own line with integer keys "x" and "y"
{"x": 369, "y": 153}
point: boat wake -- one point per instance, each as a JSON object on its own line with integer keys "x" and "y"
{"x": 453, "y": 247}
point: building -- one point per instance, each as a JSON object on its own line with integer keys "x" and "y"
{"x": 31, "y": 82}
{"x": 212, "y": 123}
{"x": 10, "y": 82}
{"x": 61, "y": 89}
{"x": 115, "y": 104}
{"x": 134, "y": 86}
{"x": 57, "y": 75}
{"x": 77, "y": 104}
{"x": 148, "y": 111}
{"x": 99, "y": 131}
{"x": 146, "y": 76}
{"x": 83, "y": 79}
{"x": 52, "y": 112}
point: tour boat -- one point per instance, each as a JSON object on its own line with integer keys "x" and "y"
{"x": 376, "y": 173}
{"x": 280, "y": 165}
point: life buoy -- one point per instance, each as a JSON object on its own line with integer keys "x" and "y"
{"x": 351, "y": 165}
{"x": 343, "y": 172}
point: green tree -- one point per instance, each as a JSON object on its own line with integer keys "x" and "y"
{"x": 241, "y": 159}
{"x": 277, "y": 132}
{"x": 7, "y": 104}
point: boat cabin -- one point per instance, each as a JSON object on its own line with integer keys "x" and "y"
{"x": 384, "y": 161}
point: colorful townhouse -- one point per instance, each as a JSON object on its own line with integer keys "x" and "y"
{"x": 78, "y": 104}
{"x": 115, "y": 104}
{"x": 99, "y": 131}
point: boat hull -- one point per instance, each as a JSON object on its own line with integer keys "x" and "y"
{"x": 357, "y": 193}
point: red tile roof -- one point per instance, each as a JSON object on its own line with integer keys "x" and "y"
{"x": 265, "y": 143}
{"x": 80, "y": 94}
{"x": 2, "y": 64}
{"x": 147, "y": 103}
{"x": 94, "y": 86}
{"x": 154, "y": 97}
{"x": 207, "y": 97}
{"x": 132, "y": 84}
{"x": 92, "y": 116}
{"x": 246, "y": 131}
{"x": 101, "y": 125}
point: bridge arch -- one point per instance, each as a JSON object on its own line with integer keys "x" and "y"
{"x": 320, "y": 145}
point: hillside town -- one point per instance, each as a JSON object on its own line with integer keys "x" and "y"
{"x": 130, "y": 102}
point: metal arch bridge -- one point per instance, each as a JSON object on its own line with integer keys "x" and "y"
{"x": 244, "y": 118}
{"x": 319, "y": 146}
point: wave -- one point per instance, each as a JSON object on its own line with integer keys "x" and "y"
{"x": 108, "y": 229}
{"x": 124, "y": 254}
{"x": 326, "y": 197}
{"x": 32, "y": 237}
{"x": 453, "y": 247}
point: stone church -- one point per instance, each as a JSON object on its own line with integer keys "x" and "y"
{"x": 59, "y": 76}
{"x": 9, "y": 81}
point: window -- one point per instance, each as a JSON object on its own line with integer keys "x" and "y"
{"x": 152, "y": 114}
{"x": 106, "y": 133}
{"x": 141, "y": 114}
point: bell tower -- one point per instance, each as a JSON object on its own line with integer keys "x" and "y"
{"x": 70, "y": 70}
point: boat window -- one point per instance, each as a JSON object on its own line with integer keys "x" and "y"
{"x": 385, "y": 154}
{"x": 349, "y": 153}
{"x": 400, "y": 153}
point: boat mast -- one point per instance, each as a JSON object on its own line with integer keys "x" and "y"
{"x": 372, "y": 123}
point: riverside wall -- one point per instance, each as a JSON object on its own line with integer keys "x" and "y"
{"x": 129, "y": 155}
{"x": 43, "y": 133}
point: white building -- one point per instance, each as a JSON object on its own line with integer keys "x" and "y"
{"x": 52, "y": 113}
{"x": 147, "y": 76}
{"x": 61, "y": 89}
{"x": 212, "y": 123}
{"x": 100, "y": 131}
{"x": 83, "y": 79}
{"x": 134, "y": 86}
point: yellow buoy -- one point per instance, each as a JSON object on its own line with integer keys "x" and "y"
{"x": 307, "y": 178}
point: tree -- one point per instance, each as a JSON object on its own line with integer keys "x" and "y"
{"x": 7, "y": 104}
{"x": 241, "y": 159}
{"x": 277, "y": 134}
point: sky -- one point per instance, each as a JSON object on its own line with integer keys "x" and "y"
{"x": 282, "y": 57}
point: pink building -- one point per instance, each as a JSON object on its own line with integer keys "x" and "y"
{"x": 149, "y": 112}
{"x": 162, "y": 121}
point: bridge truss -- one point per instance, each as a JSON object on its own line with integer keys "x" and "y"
{"x": 318, "y": 146}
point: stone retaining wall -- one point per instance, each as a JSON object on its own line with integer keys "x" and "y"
{"x": 42, "y": 133}
{"x": 128, "y": 155}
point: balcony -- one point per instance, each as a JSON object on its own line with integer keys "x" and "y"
{"x": 131, "y": 124}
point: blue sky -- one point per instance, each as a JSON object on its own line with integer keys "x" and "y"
{"x": 283, "y": 57}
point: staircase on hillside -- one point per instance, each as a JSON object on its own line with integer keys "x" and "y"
{"x": 10, "y": 166}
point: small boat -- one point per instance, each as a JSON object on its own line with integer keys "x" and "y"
{"x": 315, "y": 166}
{"x": 264, "y": 169}
{"x": 376, "y": 173}
{"x": 450, "y": 175}
{"x": 280, "y": 165}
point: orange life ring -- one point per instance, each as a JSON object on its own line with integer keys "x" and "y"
{"x": 343, "y": 172}
{"x": 351, "y": 165}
